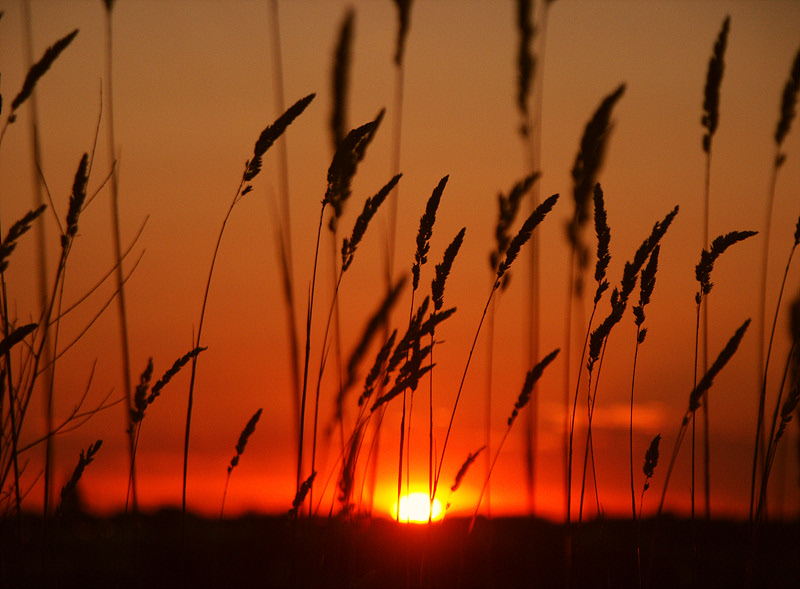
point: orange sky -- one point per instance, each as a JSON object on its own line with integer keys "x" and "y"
{"x": 193, "y": 88}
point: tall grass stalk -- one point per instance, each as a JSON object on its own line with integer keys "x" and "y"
{"x": 786, "y": 116}
{"x": 349, "y": 246}
{"x": 424, "y": 235}
{"x": 531, "y": 80}
{"x": 340, "y": 174}
{"x": 283, "y": 218}
{"x": 603, "y": 233}
{"x": 508, "y": 209}
{"x": 599, "y": 337}
{"x": 771, "y": 439}
{"x": 76, "y": 201}
{"x": 524, "y": 398}
{"x": 512, "y": 252}
{"x": 442, "y": 272}
{"x": 586, "y": 168}
{"x": 248, "y": 430}
{"x": 38, "y": 198}
{"x": 710, "y": 121}
{"x": 340, "y": 82}
{"x": 403, "y": 24}
{"x": 35, "y": 72}
{"x": 703, "y": 275}
{"x": 117, "y": 242}
{"x": 252, "y": 168}
{"x": 698, "y": 396}
{"x": 647, "y": 283}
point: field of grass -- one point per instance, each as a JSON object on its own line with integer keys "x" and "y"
{"x": 405, "y": 377}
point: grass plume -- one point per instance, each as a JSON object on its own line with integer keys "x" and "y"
{"x": 716, "y": 68}
{"x": 248, "y": 430}
{"x": 17, "y": 230}
{"x": 697, "y": 394}
{"x": 69, "y": 490}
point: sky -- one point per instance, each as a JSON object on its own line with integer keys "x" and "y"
{"x": 194, "y": 84}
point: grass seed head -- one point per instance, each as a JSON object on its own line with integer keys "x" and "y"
{"x": 403, "y": 23}
{"x": 426, "y": 231}
{"x": 341, "y": 79}
{"x": 708, "y": 257}
{"x": 16, "y": 231}
{"x": 464, "y": 468}
{"x": 716, "y": 67}
{"x": 788, "y": 105}
{"x": 39, "y": 68}
{"x": 533, "y": 375}
{"x": 603, "y": 232}
{"x": 271, "y": 134}
{"x": 724, "y": 356}
{"x": 443, "y": 270}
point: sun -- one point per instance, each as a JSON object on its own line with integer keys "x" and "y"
{"x": 416, "y": 507}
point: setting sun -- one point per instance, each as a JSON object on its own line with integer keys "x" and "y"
{"x": 416, "y": 507}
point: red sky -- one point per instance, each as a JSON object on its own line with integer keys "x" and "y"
{"x": 193, "y": 88}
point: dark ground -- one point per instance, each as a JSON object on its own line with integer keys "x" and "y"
{"x": 260, "y": 551}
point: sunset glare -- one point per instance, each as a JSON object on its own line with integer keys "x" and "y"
{"x": 416, "y": 508}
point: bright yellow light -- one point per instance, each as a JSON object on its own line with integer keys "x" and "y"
{"x": 416, "y": 507}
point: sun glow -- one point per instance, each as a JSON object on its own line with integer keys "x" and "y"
{"x": 416, "y": 507}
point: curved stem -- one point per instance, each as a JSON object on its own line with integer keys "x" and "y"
{"x": 461, "y": 386}
{"x": 197, "y": 343}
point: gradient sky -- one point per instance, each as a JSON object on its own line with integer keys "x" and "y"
{"x": 193, "y": 88}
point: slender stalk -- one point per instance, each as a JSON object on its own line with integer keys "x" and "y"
{"x": 762, "y": 499}
{"x": 709, "y": 121}
{"x": 284, "y": 215}
{"x": 190, "y": 403}
{"x": 120, "y": 274}
{"x": 304, "y": 389}
{"x": 524, "y": 398}
{"x": 41, "y": 269}
{"x": 762, "y": 312}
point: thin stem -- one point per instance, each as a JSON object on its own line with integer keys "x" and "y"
{"x": 308, "y": 351}
{"x": 123, "y": 316}
{"x": 770, "y": 439}
{"x": 461, "y": 388}
{"x": 284, "y": 223}
{"x": 704, "y": 408}
{"x": 197, "y": 344}
{"x": 760, "y": 442}
{"x": 488, "y": 476}
{"x": 630, "y": 429}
